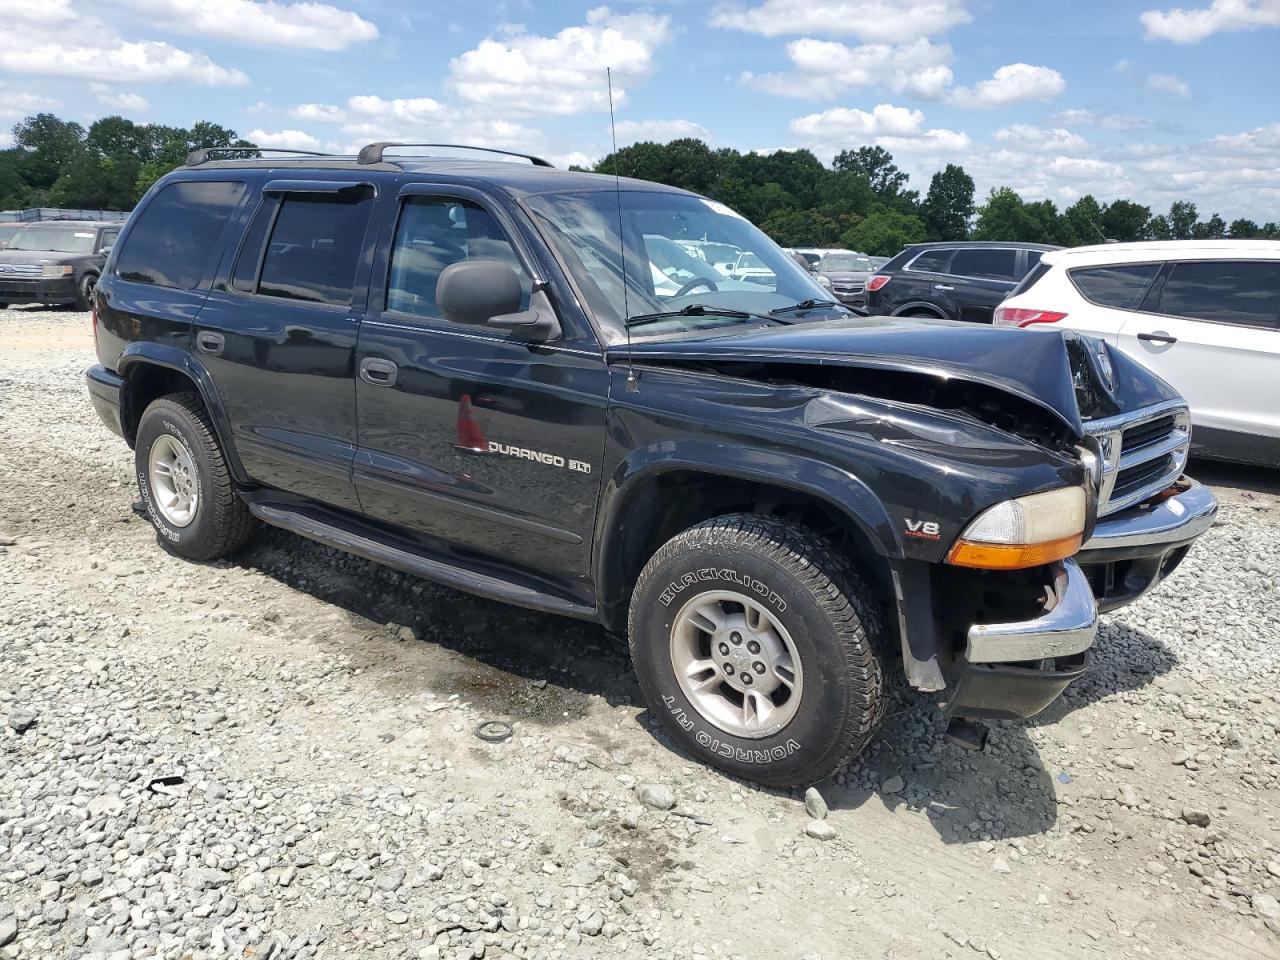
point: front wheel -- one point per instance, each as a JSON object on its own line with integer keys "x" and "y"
{"x": 757, "y": 647}
{"x": 88, "y": 286}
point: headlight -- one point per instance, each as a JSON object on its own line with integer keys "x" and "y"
{"x": 825, "y": 281}
{"x": 51, "y": 271}
{"x": 1025, "y": 532}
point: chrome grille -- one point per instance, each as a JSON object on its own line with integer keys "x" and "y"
{"x": 16, "y": 271}
{"x": 1142, "y": 453}
{"x": 845, "y": 287}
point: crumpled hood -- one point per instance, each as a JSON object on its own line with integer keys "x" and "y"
{"x": 1047, "y": 368}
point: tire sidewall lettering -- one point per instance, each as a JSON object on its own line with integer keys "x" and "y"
{"x": 722, "y": 574}
{"x": 172, "y": 429}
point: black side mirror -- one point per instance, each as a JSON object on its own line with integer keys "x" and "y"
{"x": 487, "y": 293}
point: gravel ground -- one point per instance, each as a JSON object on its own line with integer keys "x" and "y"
{"x": 276, "y": 758}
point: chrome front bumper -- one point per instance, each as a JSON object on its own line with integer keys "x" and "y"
{"x": 1067, "y": 626}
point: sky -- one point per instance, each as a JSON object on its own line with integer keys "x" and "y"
{"x": 1115, "y": 98}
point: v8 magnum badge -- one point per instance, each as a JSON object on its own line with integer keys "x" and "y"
{"x": 923, "y": 530}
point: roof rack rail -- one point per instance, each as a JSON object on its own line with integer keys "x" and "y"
{"x": 197, "y": 157}
{"x": 373, "y": 152}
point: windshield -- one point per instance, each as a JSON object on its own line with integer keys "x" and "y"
{"x": 6, "y": 233}
{"x": 681, "y": 251}
{"x": 56, "y": 239}
{"x": 842, "y": 262}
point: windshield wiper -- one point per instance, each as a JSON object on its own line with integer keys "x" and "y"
{"x": 693, "y": 310}
{"x": 804, "y": 305}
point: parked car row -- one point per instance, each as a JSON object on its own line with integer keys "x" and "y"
{"x": 58, "y": 261}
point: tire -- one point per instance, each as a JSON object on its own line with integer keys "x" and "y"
{"x": 88, "y": 284}
{"x": 176, "y": 430}
{"x": 816, "y": 604}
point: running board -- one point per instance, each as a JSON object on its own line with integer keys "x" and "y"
{"x": 345, "y": 536}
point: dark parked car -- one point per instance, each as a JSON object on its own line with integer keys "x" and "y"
{"x": 55, "y": 261}
{"x": 951, "y": 281}
{"x": 848, "y": 273}
{"x": 474, "y": 372}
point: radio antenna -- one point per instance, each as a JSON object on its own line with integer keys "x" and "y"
{"x": 632, "y": 383}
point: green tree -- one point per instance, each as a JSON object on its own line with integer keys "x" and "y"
{"x": 45, "y": 146}
{"x": 1182, "y": 220}
{"x": 948, "y": 207}
{"x": 1246, "y": 230}
{"x": 1215, "y": 228}
{"x": 1005, "y": 217}
{"x": 876, "y": 164}
{"x": 885, "y": 232}
{"x": 1125, "y": 221}
{"x": 1159, "y": 228}
{"x": 1084, "y": 218}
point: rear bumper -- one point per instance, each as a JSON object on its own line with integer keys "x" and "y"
{"x": 106, "y": 390}
{"x": 61, "y": 290}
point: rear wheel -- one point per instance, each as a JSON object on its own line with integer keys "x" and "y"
{"x": 756, "y": 646}
{"x": 88, "y": 285}
{"x": 185, "y": 483}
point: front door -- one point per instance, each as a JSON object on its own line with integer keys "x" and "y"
{"x": 467, "y": 434}
{"x": 278, "y": 336}
{"x": 1212, "y": 329}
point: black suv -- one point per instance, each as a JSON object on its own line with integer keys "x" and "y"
{"x": 477, "y": 372}
{"x": 55, "y": 261}
{"x": 951, "y": 281}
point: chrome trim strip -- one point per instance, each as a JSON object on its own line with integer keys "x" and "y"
{"x": 1181, "y": 517}
{"x": 1133, "y": 418}
{"x": 1068, "y": 627}
{"x": 1108, "y": 433}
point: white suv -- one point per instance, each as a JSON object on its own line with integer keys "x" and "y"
{"x": 1203, "y": 314}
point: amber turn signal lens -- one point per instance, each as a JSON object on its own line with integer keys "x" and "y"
{"x": 1003, "y": 556}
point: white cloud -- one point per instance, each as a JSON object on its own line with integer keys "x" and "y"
{"x": 16, "y": 104}
{"x": 1190, "y": 26}
{"x": 1168, "y": 83}
{"x": 260, "y": 106}
{"x": 108, "y": 60}
{"x": 1010, "y": 84}
{"x": 871, "y": 20}
{"x": 119, "y": 99}
{"x": 309, "y": 25}
{"x": 660, "y": 131}
{"x": 1262, "y": 140}
{"x": 283, "y": 139}
{"x": 824, "y": 68}
{"x": 44, "y": 12}
{"x": 897, "y": 129}
{"x": 1040, "y": 140}
{"x": 1077, "y": 117}
{"x": 564, "y": 73}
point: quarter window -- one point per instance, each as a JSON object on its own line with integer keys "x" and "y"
{"x": 985, "y": 264}
{"x": 1121, "y": 287}
{"x": 433, "y": 233}
{"x": 172, "y": 241}
{"x": 314, "y": 248}
{"x": 932, "y": 261}
{"x": 1242, "y": 292}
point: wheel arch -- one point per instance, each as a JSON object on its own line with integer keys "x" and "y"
{"x": 644, "y": 507}
{"x": 151, "y": 371}
{"x": 919, "y": 305}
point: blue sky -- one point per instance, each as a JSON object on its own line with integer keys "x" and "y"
{"x": 1143, "y": 100}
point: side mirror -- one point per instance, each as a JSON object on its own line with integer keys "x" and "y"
{"x": 487, "y": 293}
{"x": 106, "y": 251}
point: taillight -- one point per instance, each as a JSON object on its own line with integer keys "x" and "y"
{"x": 1024, "y": 316}
{"x": 93, "y": 319}
{"x": 876, "y": 282}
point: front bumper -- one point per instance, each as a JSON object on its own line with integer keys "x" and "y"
{"x": 1017, "y": 669}
{"x": 60, "y": 290}
{"x": 1132, "y": 551}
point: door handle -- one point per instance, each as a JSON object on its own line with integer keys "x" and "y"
{"x": 1157, "y": 337}
{"x": 380, "y": 373}
{"x": 942, "y": 286}
{"x": 210, "y": 342}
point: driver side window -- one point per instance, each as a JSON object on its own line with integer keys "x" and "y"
{"x": 434, "y": 232}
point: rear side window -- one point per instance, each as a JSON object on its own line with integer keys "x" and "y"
{"x": 1031, "y": 279}
{"x": 312, "y": 251}
{"x": 1243, "y": 292}
{"x": 175, "y": 236}
{"x": 985, "y": 264}
{"x": 1121, "y": 287}
{"x": 433, "y": 233}
{"x": 931, "y": 261}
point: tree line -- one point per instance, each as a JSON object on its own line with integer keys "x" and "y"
{"x": 862, "y": 201}
{"x": 58, "y": 163}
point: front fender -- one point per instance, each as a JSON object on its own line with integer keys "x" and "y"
{"x": 139, "y": 355}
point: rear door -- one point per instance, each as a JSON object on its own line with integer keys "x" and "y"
{"x": 1212, "y": 329}
{"x": 980, "y": 278}
{"x": 278, "y": 335}
{"x": 467, "y": 434}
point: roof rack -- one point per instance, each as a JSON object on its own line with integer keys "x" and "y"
{"x": 373, "y": 152}
{"x": 197, "y": 157}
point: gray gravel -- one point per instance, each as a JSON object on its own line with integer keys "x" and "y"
{"x": 275, "y": 758}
